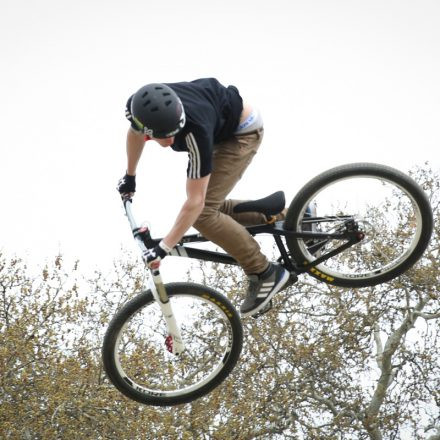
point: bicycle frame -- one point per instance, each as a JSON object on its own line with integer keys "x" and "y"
{"x": 277, "y": 231}
{"x": 351, "y": 235}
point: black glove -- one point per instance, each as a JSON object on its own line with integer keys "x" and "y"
{"x": 156, "y": 255}
{"x": 127, "y": 184}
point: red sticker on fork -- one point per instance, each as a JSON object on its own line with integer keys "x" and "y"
{"x": 169, "y": 343}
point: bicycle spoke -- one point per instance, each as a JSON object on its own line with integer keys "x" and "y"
{"x": 144, "y": 358}
{"x": 379, "y": 205}
{"x": 380, "y": 210}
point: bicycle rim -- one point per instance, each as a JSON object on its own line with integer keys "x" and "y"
{"x": 147, "y": 367}
{"x": 386, "y": 212}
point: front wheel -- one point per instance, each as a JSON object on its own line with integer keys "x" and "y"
{"x": 138, "y": 363}
{"x": 384, "y": 206}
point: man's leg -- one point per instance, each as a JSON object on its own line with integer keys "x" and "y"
{"x": 249, "y": 218}
{"x": 244, "y": 218}
{"x": 230, "y": 160}
{"x": 229, "y": 163}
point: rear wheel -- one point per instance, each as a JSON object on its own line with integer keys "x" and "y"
{"x": 388, "y": 208}
{"x": 140, "y": 366}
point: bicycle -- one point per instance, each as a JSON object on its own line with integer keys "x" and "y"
{"x": 174, "y": 343}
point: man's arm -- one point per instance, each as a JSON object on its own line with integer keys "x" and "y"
{"x": 190, "y": 211}
{"x": 135, "y": 146}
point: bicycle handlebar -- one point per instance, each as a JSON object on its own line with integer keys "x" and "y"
{"x": 129, "y": 213}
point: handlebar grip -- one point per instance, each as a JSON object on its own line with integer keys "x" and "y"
{"x": 144, "y": 234}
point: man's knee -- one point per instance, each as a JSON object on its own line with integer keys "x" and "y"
{"x": 208, "y": 215}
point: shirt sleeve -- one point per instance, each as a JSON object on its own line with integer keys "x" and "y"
{"x": 200, "y": 147}
{"x": 129, "y": 116}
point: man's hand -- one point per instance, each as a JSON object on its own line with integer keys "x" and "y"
{"x": 156, "y": 255}
{"x": 127, "y": 185}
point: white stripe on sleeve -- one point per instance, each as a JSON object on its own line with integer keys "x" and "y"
{"x": 194, "y": 157}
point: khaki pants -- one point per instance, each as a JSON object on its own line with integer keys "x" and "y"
{"x": 217, "y": 222}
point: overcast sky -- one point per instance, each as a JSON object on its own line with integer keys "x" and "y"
{"x": 336, "y": 82}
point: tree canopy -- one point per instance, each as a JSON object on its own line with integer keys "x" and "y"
{"x": 325, "y": 363}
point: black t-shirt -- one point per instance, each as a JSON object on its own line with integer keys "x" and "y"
{"x": 212, "y": 115}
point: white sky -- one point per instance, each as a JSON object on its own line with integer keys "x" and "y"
{"x": 336, "y": 81}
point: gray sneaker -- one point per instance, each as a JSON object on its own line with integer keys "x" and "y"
{"x": 262, "y": 288}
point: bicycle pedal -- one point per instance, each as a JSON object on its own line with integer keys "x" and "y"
{"x": 293, "y": 278}
{"x": 264, "y": 310}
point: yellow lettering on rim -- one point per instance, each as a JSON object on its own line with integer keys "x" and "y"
{"x": 220, "y": 304}
{"x": 322, "y": 275}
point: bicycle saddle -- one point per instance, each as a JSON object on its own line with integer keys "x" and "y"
{"x": 268, "y": 206}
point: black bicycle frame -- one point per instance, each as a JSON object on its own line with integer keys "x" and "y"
{"x": 350, "y": 233}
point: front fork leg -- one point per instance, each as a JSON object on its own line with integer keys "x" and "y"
{"x": 174, "y": 342}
